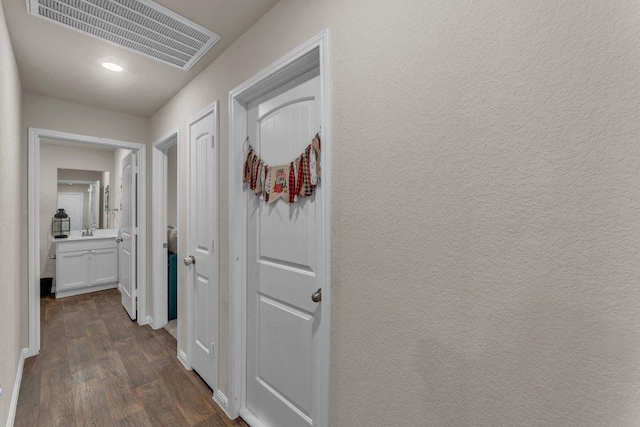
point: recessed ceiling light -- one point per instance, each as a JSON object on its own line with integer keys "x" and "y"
{"x": 111, "y": 66}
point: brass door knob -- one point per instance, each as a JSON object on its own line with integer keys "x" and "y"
{"x": 118, "y": 239}
{"x": 317, "y": 296}
{"x": 189, "y": 260}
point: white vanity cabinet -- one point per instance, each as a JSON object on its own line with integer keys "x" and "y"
{"x": 86, "y": 265}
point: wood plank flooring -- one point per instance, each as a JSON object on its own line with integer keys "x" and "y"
{"x": 98, "y": 368}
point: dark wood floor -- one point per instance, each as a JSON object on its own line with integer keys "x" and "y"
{"x": 98, "y": 368}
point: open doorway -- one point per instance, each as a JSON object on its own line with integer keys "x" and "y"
{"x": 77, "y": 181}
{"x": 62, "y": 163}
{"x": 166, "y": 235}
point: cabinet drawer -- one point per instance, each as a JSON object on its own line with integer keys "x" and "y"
{"x": 79, "y": 245}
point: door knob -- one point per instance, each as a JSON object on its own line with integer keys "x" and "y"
{"x": 190, "y": 260}
{"x": 118, "y": 239}
{"x": 317, "y": 296}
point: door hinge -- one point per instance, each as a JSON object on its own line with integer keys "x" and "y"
{"x": 164, "y": 246}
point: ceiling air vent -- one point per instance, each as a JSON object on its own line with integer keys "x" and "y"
{"x": 139, "y": 25}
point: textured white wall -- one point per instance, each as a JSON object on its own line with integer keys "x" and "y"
{"x": 486, "y": 205}
{"x": 12, "y": 270}
{"x": 56, "y": 114}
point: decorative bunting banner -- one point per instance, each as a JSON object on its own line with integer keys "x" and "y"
{"x": 298, "y": 178}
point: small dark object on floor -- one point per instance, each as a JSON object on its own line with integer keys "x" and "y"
{"x": 45, "y": 286}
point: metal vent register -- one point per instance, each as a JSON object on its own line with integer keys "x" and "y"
{"x": 139, "y": 25}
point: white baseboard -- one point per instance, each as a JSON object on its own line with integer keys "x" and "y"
{"x": 83, "y": 290}
{"x": 30, "y": 353}
{"x": 16, "y": 389}
{"x": 153, "y": 323}
{"x": 222, "y": 402}
{"x": 182, "y": 357}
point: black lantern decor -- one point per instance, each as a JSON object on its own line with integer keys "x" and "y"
{"x": 60, "y": 225}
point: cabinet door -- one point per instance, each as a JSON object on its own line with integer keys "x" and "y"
{"x": 104, "y": 266}
{"x": 73, "y": 270}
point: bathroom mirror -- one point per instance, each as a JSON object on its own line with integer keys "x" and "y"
{"x": 84, "y": 195}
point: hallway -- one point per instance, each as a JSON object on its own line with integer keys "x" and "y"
{"x": 99, "y": 368}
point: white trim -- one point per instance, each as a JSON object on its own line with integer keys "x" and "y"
{"x": 68, "y": 181}
{"x": 211, "y": 108}
{"x": 150, "y": 322}
{"x": 250, "y": 418}
{"x": 182, "y": 357}
{"x": 80, "y": 291}
{"x": 34, "y": 222}
{"x": 16, "y": 389}
{"x": 222, "y": 401}
{"x": 159, "y": 221}
{"x": 286, "y": 68}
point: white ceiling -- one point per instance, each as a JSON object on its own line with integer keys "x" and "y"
{"x": 62, "y": 63}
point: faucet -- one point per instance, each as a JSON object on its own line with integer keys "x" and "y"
{"x": 85, "y": 232}
{"x": 93, "y": 227}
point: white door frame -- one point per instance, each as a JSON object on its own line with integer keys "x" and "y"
{"x": 211, "y": 108}
{"x": 35, "y": 135}
{"x": 159, "y": 217}
{"x": 314, "y": 53}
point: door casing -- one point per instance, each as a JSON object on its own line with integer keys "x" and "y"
{"x": 313, "y": 53}
{"x": 159, "y": 238}
{"x": 33, "y": 197}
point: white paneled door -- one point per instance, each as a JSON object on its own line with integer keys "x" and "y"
{"x": 201, "y": 260}
{"x": 73, "y": 204}
{"x": 283, "y": 263}
{"x": 128, "y": 234}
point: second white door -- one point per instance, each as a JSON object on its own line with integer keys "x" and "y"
{"x": 202, "y": 257}
{"x": 128, "y": 234}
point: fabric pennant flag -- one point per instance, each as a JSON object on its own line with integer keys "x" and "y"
{"x": 298, "y": 178}
{"x": 258, "y": 188}
{"x": 292, "y": 183}
{"x": 267, "y": 183}
{"x": 315, "y": 144}
{"x": 279, "y": 185}
{"x": 306, "y": 189}
{"x": 247, "y": 163}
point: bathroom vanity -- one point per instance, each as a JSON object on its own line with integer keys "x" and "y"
{"x": 86, "y": 264}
